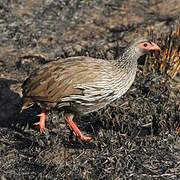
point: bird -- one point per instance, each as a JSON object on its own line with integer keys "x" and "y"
{"x": 81, "y": 85}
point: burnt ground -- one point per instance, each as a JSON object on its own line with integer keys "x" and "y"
{"x": 136, "y": 137}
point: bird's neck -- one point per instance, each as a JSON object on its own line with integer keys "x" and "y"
{"x": 128, "y": 59}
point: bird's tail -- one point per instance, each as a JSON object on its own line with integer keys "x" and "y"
{"x": 27, "y": 103}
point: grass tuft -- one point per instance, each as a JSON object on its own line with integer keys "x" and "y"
{"x": 168, "y": 61}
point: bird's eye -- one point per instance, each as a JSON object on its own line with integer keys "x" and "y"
{"x": 145, "y": 44}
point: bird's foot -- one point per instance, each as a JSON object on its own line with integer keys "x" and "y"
{"x": 84, "y": 137}
{"x": 41, "y": 123}
{"x": 78, "y": 133}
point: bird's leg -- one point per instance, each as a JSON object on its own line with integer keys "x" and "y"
{"x": 69, "y": 120}
{"x": 41, "y": 123}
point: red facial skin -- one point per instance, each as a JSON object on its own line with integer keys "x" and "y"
{"x": 149, "y": 46}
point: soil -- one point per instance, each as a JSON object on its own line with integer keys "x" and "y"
{"x": 136, "y": 137}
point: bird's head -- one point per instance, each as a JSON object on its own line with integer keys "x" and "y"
{"x": 143, "y": 46}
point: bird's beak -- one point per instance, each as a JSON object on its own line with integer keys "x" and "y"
{"x": 154, "y": 47}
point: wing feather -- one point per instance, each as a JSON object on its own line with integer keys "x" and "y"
{"x": 60, "y": 79}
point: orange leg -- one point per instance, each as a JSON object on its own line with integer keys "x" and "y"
{"x": 69, "y": 120}
{"x": 41, "y": 123}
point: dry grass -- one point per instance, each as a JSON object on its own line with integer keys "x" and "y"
{"x": 168, "y": 60}
{"x": 170, "y": 56}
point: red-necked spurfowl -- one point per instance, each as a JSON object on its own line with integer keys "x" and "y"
{"x": 80, "y": 85}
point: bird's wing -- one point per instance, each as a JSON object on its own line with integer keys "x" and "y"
{"x": 63, "y": 78}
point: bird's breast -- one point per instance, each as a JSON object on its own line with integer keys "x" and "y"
{"x": 123, "y": 82}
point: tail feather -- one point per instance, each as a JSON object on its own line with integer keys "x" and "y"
{"x": 27, "y": 102}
